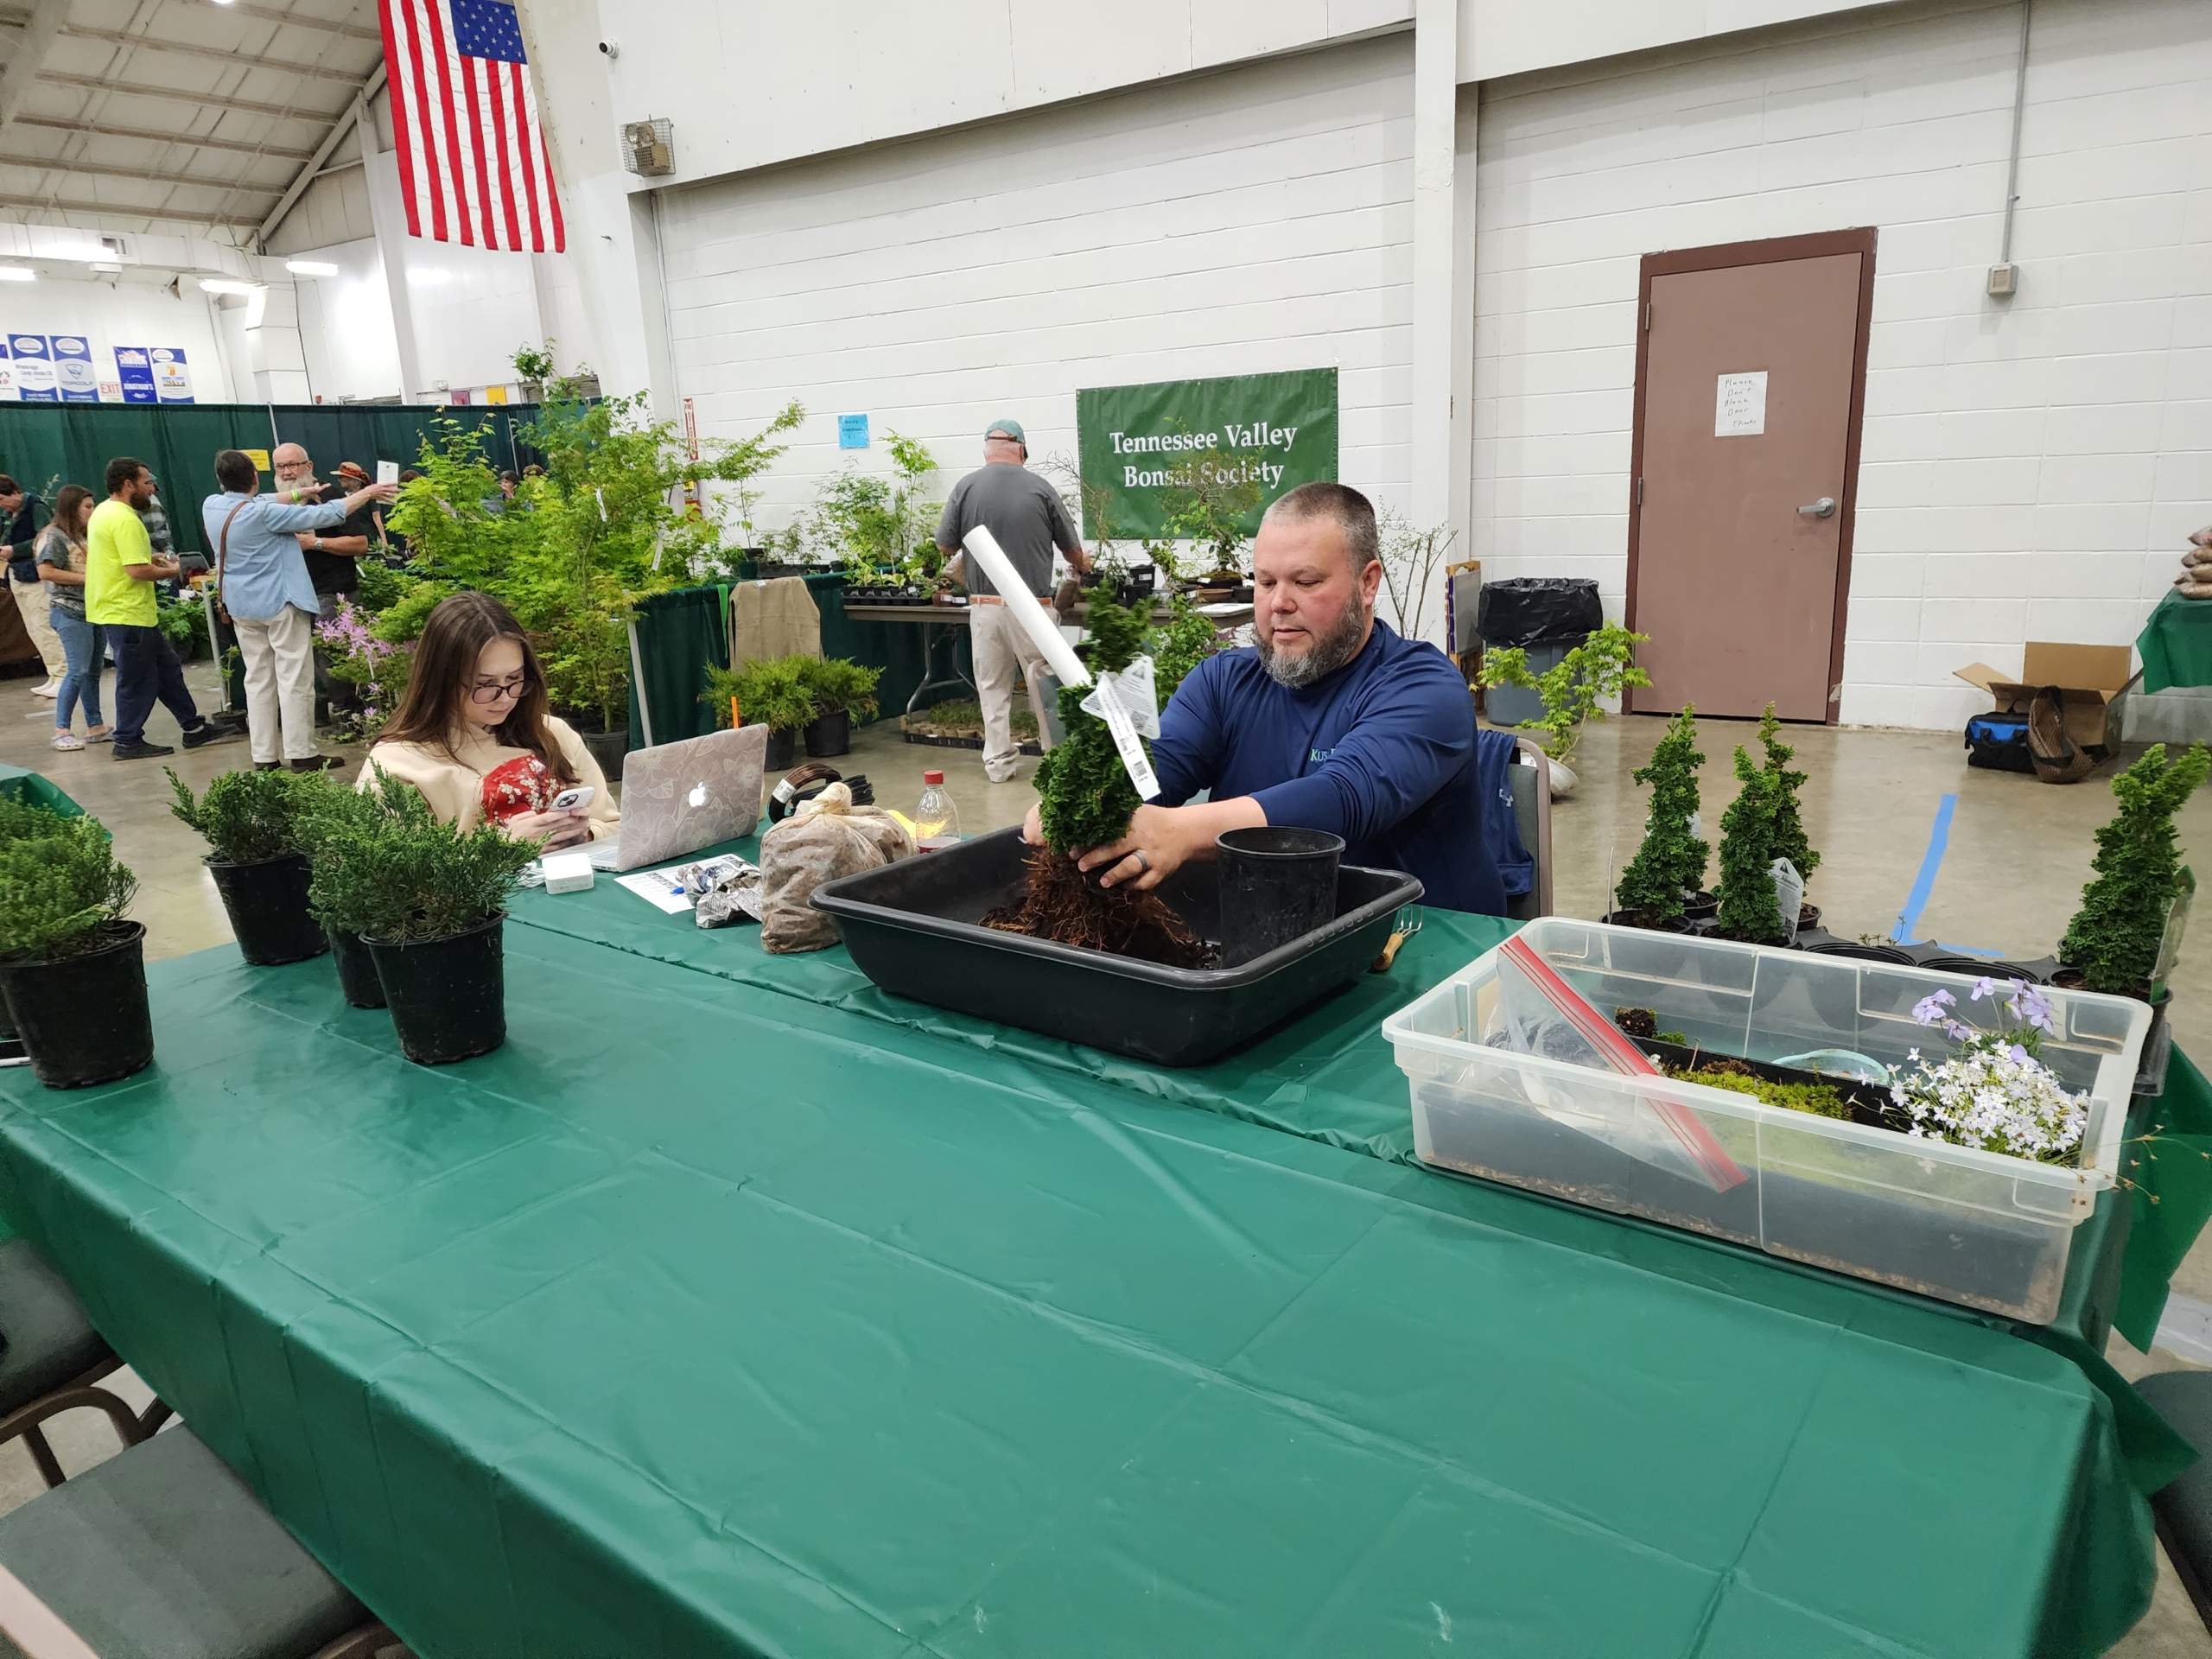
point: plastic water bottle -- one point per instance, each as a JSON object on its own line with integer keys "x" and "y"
{"x": 936, "y": 821}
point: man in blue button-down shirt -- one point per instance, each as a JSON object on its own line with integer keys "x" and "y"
{"x": 263, "y": 580}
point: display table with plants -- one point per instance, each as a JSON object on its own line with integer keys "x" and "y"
{"x": 501, "y": 1304}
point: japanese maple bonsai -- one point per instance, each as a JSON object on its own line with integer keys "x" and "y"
{"x": 1085, "y": 799}
{"x": 1668, "y": 868}
{"x": 2112, "y": 943}
{"x": 73, "y": 972}
{"x": 257, "y": 855}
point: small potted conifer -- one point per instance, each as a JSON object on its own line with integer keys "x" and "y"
{"x": 771, "y": 692}
{"x": 1789, "y": 840}
{"x": 1668, "y": 868}
{"x": 1748, "y": 910}
{"x": 843, "y": 692}
{"x": 2114, "y": 941}
{"x": 332, "y": 812}
{"x": 429, "y": 901}
{"x": 73, "y": 972}
{"x": 258, "y": 858}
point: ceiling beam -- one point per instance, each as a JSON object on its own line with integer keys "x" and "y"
{"x": 55, "y": 204}
{"x": 153, "y": 137}
{"x": 181, "y": 49}
{"x": 300, "y": 20}
{"x": 96, "y": 171}
{"x": 357, "y": 110}
{"x": 47, "y": 20}
{"x": 196, "y": 100}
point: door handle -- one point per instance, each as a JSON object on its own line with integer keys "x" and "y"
{"x": 1823, "y": 508}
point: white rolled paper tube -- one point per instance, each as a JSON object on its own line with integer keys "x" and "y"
{"x": 1041, "y": 621}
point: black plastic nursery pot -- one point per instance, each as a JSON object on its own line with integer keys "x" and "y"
{"x": 783, "y": 749}
{"x": 1278, "y": 883}
{"x": 83, "y": 1018}
{"x": 356, "y": 970}
{"x": 829, "y": 734}
{"x": 268, "y": 902}
{"x": 610, "y": 748}
{"x": 1634, "y": 918}
{"x": 448, "y": 997}
{"x": 1852, "y": 948}
{"x": 915, "y": 928}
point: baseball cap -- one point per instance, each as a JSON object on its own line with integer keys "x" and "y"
{"x": 1008, "y": 429}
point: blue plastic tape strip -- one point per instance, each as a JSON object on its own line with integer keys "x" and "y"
{"x": 1939, "y": 839}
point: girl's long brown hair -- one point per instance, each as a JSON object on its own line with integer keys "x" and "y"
{"x": 66, "y": 499}
{"x": 431, "y": 710}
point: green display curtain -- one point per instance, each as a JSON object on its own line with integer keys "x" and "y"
{"x": 44, "y": 446}
{"x": 680, "y": 636}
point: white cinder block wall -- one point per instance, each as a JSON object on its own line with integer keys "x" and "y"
{"x": 2030, "y": 468}
{"x": 1251, "y": 220}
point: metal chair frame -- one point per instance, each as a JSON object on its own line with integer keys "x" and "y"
{"x": 23, "y": 1423}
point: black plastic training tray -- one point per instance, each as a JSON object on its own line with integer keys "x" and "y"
{"x": 915, "y": 929}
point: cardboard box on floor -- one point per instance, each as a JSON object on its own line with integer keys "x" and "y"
{"x": 2091, "y": 678}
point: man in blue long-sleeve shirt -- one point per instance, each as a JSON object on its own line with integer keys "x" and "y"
{"x": 1333, "y": 721}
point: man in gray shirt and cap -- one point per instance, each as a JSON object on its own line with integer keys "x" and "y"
{"x": 1029, "y": 520}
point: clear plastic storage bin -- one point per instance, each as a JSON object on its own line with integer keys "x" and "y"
{"x": 1979, "y": 1228}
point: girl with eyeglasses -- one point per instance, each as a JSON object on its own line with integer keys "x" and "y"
{"x": 474, "y": 733}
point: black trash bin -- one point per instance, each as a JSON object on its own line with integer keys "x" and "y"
{"x": 1545, "y": 616}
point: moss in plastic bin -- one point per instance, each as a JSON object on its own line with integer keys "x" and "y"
{"x": 1085, "y": 799}
{"x": 1671, "y": 862}
{"x": 2114, "y": 938}
{"x": 1819, "y": 1099}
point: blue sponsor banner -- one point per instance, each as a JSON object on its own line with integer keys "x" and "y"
{"x": 134, "y": 368}
{"x": 172, "y": 380}
{"x": 80, "y": 383}
{"x": 33, "y": 364}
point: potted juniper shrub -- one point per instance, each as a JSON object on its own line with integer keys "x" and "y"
{"x": 1668, "y": 868}
{"x": 843, "y": 692}
{"x": 1787, "y": 839}
{"x": 333, "y": 810}
{"x": 73, "y": 971}
{"x": 1748, "y": 910}
{"x": 253, "y": 823}
{"x": 429, "y": 901}
{"x": 771, "y": 692}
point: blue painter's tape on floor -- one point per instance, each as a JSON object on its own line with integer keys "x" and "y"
{"x": 1939, "y": 839}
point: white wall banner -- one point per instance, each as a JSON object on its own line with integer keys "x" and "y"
{"x": 34, "y": 379}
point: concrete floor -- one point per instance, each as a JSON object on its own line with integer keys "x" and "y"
{"x": 2018, "y": 854}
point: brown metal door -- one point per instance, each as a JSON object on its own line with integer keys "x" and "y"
{"x": 1748, "y": 396}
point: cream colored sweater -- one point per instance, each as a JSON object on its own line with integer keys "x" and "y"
{"x": 454, "y": 784}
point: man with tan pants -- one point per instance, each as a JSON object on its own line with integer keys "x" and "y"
{"x": 1029, "y": 520}
{"x": 19, "y": 518}
{"x": 264, "y": 585}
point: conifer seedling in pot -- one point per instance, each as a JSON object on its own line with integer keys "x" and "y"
{"x": 73, "y": 972}
{"x": 2113, "y": 942}
{"x": 254, "y": 823}
{"x": 1669, "y": 866}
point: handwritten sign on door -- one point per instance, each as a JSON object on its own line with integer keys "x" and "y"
{"x": 1739, "y": 406}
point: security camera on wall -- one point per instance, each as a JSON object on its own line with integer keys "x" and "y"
{"x": 611, "y": 48}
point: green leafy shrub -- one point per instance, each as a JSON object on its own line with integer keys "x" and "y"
{"x": 2114, "y": 937}
{"x": 184, "y": 624}
{"x": 381, "y": 587}
{"x": 400, "y": 622}
{"x": 59, "y": 884}
{"x": 1789, "y": 840}
{"x": 771, "y": 692}
{"x": 399, "y": 875}
{"x": 1603, "y": 665}
{"x": 1748, "y": 910}
{"x": 249, "y": 816}
{"x": 877, "y": 524}
{"x": 1178, "y": 645}
{"x": 1671, "y": 862}
{"x": 1084, "y": 795}
{"x": 839, "y": 686}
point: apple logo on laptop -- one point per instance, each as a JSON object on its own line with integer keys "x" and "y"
{"x": 698, "y": 795}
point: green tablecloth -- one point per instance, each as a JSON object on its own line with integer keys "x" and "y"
{"x": 20, "y": 784}
{"x": 2176, "y": 644}
{"x": 704, "y": 1320}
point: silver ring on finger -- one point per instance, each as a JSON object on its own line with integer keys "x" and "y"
{"x": 1144, "y": 864}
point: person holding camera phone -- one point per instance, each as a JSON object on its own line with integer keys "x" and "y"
{"x": 474, "y": 733}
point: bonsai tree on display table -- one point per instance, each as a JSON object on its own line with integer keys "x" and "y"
{"x": 1084, "y": 800}
{"x": 1748, "y": 909}
{"x": 1669, "y": 866}
{"x": 842, "y": 692}
{"x": 73, "y": 974}
{"x": 771, "y": 692}
{"x": 428, "y": 898}
{"x": 1603, "y": 665}
{"x": 256, "y": 826}
{"x": 2114, "y": 940}
{"x": 1789, "y": 840}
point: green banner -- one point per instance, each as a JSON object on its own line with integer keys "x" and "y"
{"x": 1146, "y": 451}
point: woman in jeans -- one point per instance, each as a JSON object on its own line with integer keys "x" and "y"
{"x": 61, "y": 564}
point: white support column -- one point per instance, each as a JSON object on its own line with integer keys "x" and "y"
{"x": 388, "y": 213}
{"x": 1436, "y": 93}
{"x": 1461, "y": 478}
{"x": 275, "y": 358}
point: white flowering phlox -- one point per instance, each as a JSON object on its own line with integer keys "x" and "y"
{"x": 1993, "y": 1094}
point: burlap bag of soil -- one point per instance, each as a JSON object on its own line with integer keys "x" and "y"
{"x": 825, "y": 838}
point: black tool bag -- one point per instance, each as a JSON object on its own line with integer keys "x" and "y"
{"x": 1999, "y": 741}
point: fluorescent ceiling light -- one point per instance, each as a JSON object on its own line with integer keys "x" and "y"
{"x": 17, "y": 274}
{"x": 107, "y": 268}
{"x": 225, "y": 285}
{"x": 307, "y": 267}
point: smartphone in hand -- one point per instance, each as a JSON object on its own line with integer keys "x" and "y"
{"x": 574, "y": 798}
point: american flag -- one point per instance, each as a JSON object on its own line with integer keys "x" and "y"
{"x": 472, "y": 161}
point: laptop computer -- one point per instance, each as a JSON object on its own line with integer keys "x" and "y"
{"x": 677, "y": 798}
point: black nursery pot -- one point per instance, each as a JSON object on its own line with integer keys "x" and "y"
{"x": 783, "y": 749}
{"x": 1277, "y": 885}
{"x": 84, "y": 1019}
{"x": 268, "y": 902}
{"x": 829, "y": 734}
{"x": 357, "y": 968}
{"x": 448, "y": 997}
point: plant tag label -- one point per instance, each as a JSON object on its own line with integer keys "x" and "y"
{"x": 1789, "y": 894}
{"x": 1131, "y": 749}
{"x": 1739, "y": 406}
{"x": 1131, "y": 691}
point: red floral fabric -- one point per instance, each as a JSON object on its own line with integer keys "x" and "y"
{"x": 516, "y": 786}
